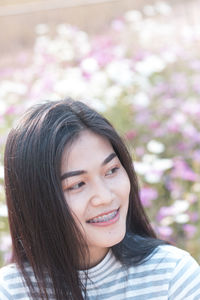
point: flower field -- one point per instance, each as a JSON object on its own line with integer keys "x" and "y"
{"x": 144, "y": 75}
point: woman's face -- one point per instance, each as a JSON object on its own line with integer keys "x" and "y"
{"x": 96, "y": 188}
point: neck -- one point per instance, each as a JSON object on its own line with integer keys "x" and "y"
{"x": 96, "y": 256}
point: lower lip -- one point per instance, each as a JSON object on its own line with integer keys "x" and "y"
{"x": 107, "y": 223}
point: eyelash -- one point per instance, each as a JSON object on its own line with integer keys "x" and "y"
{"x": 80, "y": 184}
{"x": 114, "y": 170}
{"x": 76, "y": 186}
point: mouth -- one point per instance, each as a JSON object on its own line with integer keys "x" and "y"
{"x": 105, "y": 218}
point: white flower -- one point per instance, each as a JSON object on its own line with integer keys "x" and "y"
{"x": 97, "y": 105}
{"x": 112, "y": 94}
{"x": 42, "y": 42}
{"x": 99, "y": 79}
{"x": 188, "y": 32}
{"x": 182, "y": 218}
{"x": 149, "y": 158}
{"x": 3, "y": 210}
{"x": 169, "y": 56}
{"x": 142, "y": 167}
{"x": 152, "y": 177}
{"x": 3, "y": 106}
{"x": 5, "y": 243}
{"x": 98, "y": 84}
{"x": 1, "y": 172}
{"x": 41, "y": 29}
{"x": 142, "y": 82}
{"x": 119, "y": 51}
{"x": 196, "y": 187}
{"x": 8, "y": 86}
{"x": 180, "y": 206}
{"x": 133, "y": 16}
{"x": 155, "y": 147}
{"x": 65, "y": 30}
{"x": 141, "y": 99}
{"x": 150, "y": 65}
{"x": 180, "y": 118}
{"x": 163, "y": 8}
{"x": 72, "y": 84}
{"x": 162, "y": 164}
{"x": 82, "y": 43}
{"x": 120, "y": 72}
{"x": 167, "y": 221}
{"x": 82, "y": 36}
{"x": 149, "y": 10}
{"x": 145, "y": 169}
{"x": 89, "y": 65}
{"x": 151, "y": 163}
{"x": 62, "y": 49}
{"x": 192, "y": 106}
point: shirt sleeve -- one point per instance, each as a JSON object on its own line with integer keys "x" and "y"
{"x": 185, "y": 281}
{"x": 4, "y": 295}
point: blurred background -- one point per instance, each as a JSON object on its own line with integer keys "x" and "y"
{"x": 136, "y": 62}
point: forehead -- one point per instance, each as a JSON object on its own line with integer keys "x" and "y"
{"x": 89, "y": 149}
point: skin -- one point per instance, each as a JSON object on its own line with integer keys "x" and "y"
{"x": 94, "y": 182}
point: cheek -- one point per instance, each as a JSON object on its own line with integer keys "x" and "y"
{"x": 126, "y": 190}
{"x": 75, "y": 205}
{"x": 123, "y": 184}
{"x": 78, "y": 204}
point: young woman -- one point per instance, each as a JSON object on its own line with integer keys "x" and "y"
{"x": 77, "y": 225}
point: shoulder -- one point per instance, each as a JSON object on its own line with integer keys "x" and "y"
{"x": 8, "y": 269}
{"x": 11, "y": 282}
{"x": 182, "y": 270}
{"x": 171, "y": 252}
{"x": 5, "y": 275}
{"x": 173, "y": 257}
{"x": 8, "y": 272}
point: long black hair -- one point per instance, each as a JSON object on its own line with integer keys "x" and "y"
{"x": 44, "y": 233}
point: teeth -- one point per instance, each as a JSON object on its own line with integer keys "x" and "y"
{"x": 104, "y": 218}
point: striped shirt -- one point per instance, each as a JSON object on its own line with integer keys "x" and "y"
{"x": 170, "y": 273}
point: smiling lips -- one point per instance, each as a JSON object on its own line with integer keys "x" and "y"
{"x": 106, "y": 218}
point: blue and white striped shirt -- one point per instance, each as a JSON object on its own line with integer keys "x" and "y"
{"x": 169, "y": 274}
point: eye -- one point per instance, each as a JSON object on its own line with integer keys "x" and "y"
{"x": 76, "y": 186}
{"x": 112, "y": 171}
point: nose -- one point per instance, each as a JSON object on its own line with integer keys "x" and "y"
{"x": 102, "y": 193}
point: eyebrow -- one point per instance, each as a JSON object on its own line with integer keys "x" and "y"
{"x": 80, "y": 172}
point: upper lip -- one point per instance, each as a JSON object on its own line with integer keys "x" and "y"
{"x": 103, "y": 214}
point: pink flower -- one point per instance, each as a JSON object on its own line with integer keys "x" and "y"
{"x": 148, "y": 194}
{"x": 190, "y": 230}
{"x": 194, "y": 216}
{"x": 164, "y": 231}
{"x": 11, "y": 110}
{"x": 118, "y": 25}
{"x": 155, "y": 124}
{"x": 102, "y": 50}
{"x": 23, "y": 58}
{"x": 172, "y": 127}
{"x": 195, "y": 65}
{"x": 165, "y": 211}
{"x": 139, "y": 151}
{"x": 130, "y": 134}
{"x": 180, "y": 82}
{"x": 182, "y": 170}
{"x": 196, "y": 155}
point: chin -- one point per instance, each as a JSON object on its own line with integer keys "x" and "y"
{"x": 116, "y": 240}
